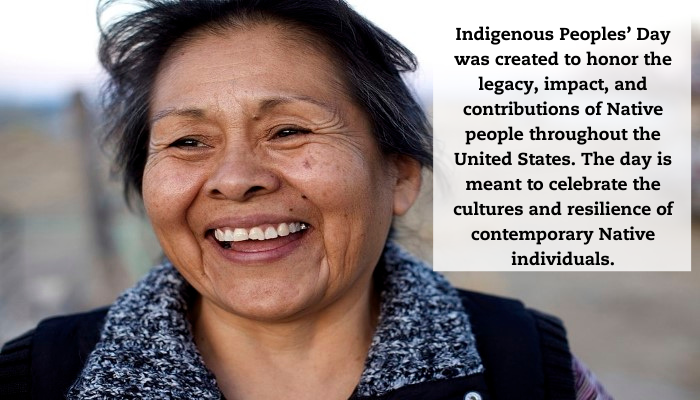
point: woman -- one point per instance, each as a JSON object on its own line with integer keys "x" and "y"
{"x": 271, "y": 143}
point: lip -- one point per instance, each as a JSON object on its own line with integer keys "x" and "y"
{"x": 257, "y": 252}
{"x": 265, "y": 251}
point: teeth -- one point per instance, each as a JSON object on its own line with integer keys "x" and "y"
{"x": 240, "y": 234}
{"x": 219, "y": 235}
{"x": 224, "y": 235}
{"x": 257, "y": 233}
{"x": 283, "y": 229}
{"x": 228, "y": 235}
{"x": 270, "y": 233}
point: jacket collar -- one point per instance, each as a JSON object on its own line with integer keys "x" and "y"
{"x": 146, "y": 348}
{"x": 423, "y": 332}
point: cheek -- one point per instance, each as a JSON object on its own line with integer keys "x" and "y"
{"x": 332, "y": 179}
{"x": 349, "y": 188}
{"x": 168, "y": 190}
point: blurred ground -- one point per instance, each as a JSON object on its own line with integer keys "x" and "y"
{"x": 52, "y": 259}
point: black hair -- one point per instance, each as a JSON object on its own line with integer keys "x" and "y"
{"x": 133, "y": 47}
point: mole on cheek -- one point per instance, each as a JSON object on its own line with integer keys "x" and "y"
{"x": 304, "y": 197}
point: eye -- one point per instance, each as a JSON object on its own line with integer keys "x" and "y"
{"x": 187, "y": 142}
{"x": 285, "y": 132}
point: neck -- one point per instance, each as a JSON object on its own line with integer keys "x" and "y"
{"x": 317, "y": 355}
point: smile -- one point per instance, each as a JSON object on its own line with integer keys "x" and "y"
{"x": 258, "y": 232}
{"x": 226, "y": 235}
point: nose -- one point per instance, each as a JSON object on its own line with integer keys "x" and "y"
{"x": 239, "y": 175}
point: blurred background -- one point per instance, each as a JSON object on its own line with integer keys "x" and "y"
{"x": 68, "y": 243}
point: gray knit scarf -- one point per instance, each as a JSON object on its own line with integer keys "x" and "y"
{"x": 146, "y": 349}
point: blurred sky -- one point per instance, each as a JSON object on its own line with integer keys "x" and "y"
{"x": 48, "y": 47}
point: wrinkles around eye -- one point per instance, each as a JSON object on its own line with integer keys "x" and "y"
{"x": 187, "y": 142}
{"x": 287, "y": 132}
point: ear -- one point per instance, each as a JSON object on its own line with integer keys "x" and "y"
{"x": 407, "y": 184}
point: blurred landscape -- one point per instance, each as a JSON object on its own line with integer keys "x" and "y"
{"x": 68, "y": 244}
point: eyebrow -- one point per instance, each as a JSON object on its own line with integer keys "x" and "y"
{"x": 186, "y": 112}
{"x": 264, "y": 105}
{"x": 270, "y": 103}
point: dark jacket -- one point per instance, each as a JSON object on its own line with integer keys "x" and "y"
{"x": 525, "y": 355}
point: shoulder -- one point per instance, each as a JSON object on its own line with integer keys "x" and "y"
{"x": 493, "y": 314}
{"x": 55, "y": 352}
{"x": 522, "y": 344}
{"x": 15, "y": 367}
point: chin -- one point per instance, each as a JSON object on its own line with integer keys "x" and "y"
{"x": 269, "y": 301}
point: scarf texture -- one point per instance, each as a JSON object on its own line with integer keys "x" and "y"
{"x": 146, "y": 348}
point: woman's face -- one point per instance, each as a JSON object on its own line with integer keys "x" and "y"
{"x": 254, "y": 135}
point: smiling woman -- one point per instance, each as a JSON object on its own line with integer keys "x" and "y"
{"x": 255, "y": 131}
{"x": 272, "y": 142}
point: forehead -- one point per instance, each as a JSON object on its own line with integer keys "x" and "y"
{"x": 258, "y": 59}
